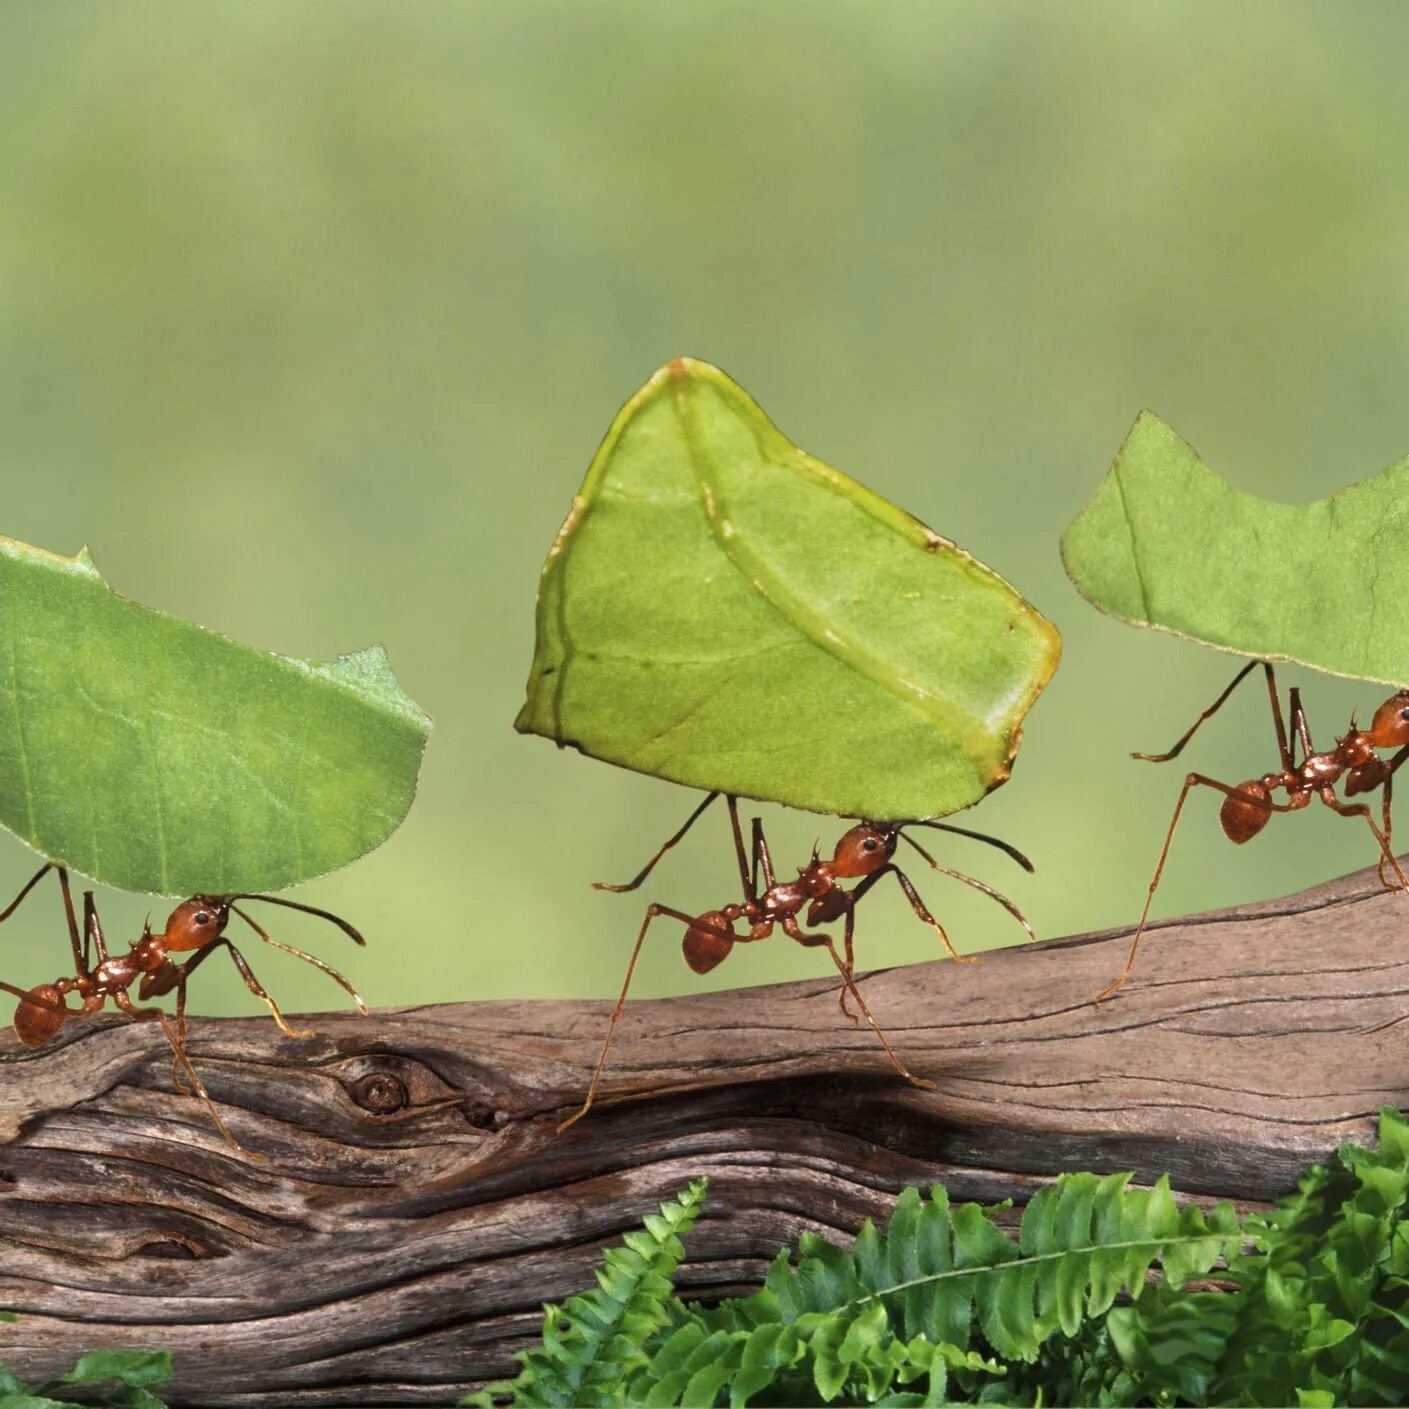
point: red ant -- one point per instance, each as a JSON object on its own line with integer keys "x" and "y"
{"x": 1248, "y": 807}
{"x": 196, "y": 924}
{"x": 865, "y": 853}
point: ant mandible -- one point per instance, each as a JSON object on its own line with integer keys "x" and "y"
{"x": 1248, "y": 808}
{"x": 865, "y": 854}
{"x": 196, "y": 924}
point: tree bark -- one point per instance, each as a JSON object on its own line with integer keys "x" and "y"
{"x": 417, "y": 1206}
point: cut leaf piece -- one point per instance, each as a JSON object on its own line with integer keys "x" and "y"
{"x": 1168, "y": 543}
{"x": 154, "y": 755}
{"x": 722, "y": 610}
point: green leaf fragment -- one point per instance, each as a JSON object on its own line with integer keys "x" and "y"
{"x": 1166, "y": 542}
{"x": 154, "y": 755}
{"x": 137, "y": 1368}
{"x": 722, "y": 610}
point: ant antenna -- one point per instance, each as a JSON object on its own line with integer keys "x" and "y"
{"x": 328, "y": 915}
{"x": 1005, "y": 847}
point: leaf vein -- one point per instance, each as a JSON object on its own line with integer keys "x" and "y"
{"x": 846, "y": 650}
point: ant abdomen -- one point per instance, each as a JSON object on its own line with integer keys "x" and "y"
{"x": 1242, "y": 818}
{"x": 36, "y": 1023}
{"x": 704, "y": 948}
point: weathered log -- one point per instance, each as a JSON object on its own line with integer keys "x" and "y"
{"x": 416, "y": 1206}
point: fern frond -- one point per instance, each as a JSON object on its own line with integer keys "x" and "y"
{"x": 943, "y": 1300}
{"x": 941, "y": 1274}
{"x": 1323, "y": 1299}
{"x": 593, "y": 1341}
{"x": 945, "y": 1307}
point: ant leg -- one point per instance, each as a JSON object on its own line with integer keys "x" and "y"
{"x": 1192, "y": 781}
{"x": 815, "y": 940}
{"x": 92, "y": 929}
{"x": 33, "y": 999}
{"x": 651, "y": 912}
{"x": 761, "y": 856}
{"x": 252, "y": 983}
{"x": 1299, "y": 722}
{"x": 853, "y": 898}
{"x": 78, "y": 953}
{"x": 977, "y": 885}
{"x": 298, "y": 954}
{"x": 640, "y": 877}
{"x": 260, "y": 992}
{"x": 1360, "y": 809}
{"x": 1387, "y": 826}
{"x": 850, "y": 952}
{"x": 918, "y": 906}
{"x": 178, "y": 1080}
{"x": 749, "y": 883}
{"x": 28, "y": 886}
{"x": 178, "y": 1047}
{"x": 1218, "y": 704}
{"x": 1385, "y": 817}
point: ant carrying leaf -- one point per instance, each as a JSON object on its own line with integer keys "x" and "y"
{"x": 723, "y": 610}
{"x": 196, "y": 926}
{"x": 1166, "y": 542}
{"x": 864, "y": 854}
{"x": 1248, "y": 806}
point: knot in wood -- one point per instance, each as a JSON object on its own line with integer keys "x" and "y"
{"x": 380, "y": 1092}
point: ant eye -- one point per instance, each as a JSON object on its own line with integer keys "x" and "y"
{"x": 202, "y": 918}
{"x": 1404, "y": 714}
{"x": 870, "y": 844}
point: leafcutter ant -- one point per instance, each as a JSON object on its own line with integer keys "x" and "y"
{"x": 198, "y": 925}
{"x": 864, "y": 854}
{"x": 1248, "y": 807}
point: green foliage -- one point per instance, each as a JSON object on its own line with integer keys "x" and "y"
{"x": 1278, "y": 581}
{"x": 156, "y": 756}
{"x": 134, "y": 1370}
{"x": 1088, "y": 1305}
{"x": 725, "y": 611}
{"x": 1325, "y": 1318}
{"x": 594, "y": 1342}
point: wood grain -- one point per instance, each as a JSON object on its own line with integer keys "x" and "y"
{"x": 416, "y": 1206}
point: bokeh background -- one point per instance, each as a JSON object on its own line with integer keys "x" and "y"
{"x": 312, "y": 315}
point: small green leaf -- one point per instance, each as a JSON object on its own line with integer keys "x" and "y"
{"x": 157, "y": 756}
{"x": 132, "y": 1367}
{"x": 723, "y": 610}
{"x": 1166, "y": 542}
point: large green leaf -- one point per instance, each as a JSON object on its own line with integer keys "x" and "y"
{"x": 722, "y": 610}
{"x": 154, "y": 755}
{"x": 1168, "y": 543}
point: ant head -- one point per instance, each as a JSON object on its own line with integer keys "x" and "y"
{"x": 864, "y": 849}
{"x": 197, "y": 921}
{"x": 1390, "y": 727}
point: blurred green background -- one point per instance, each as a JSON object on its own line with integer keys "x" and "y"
{"x": 314, "y": 313}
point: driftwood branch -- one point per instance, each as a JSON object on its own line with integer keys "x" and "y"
{"x": 417, "y": 1206}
